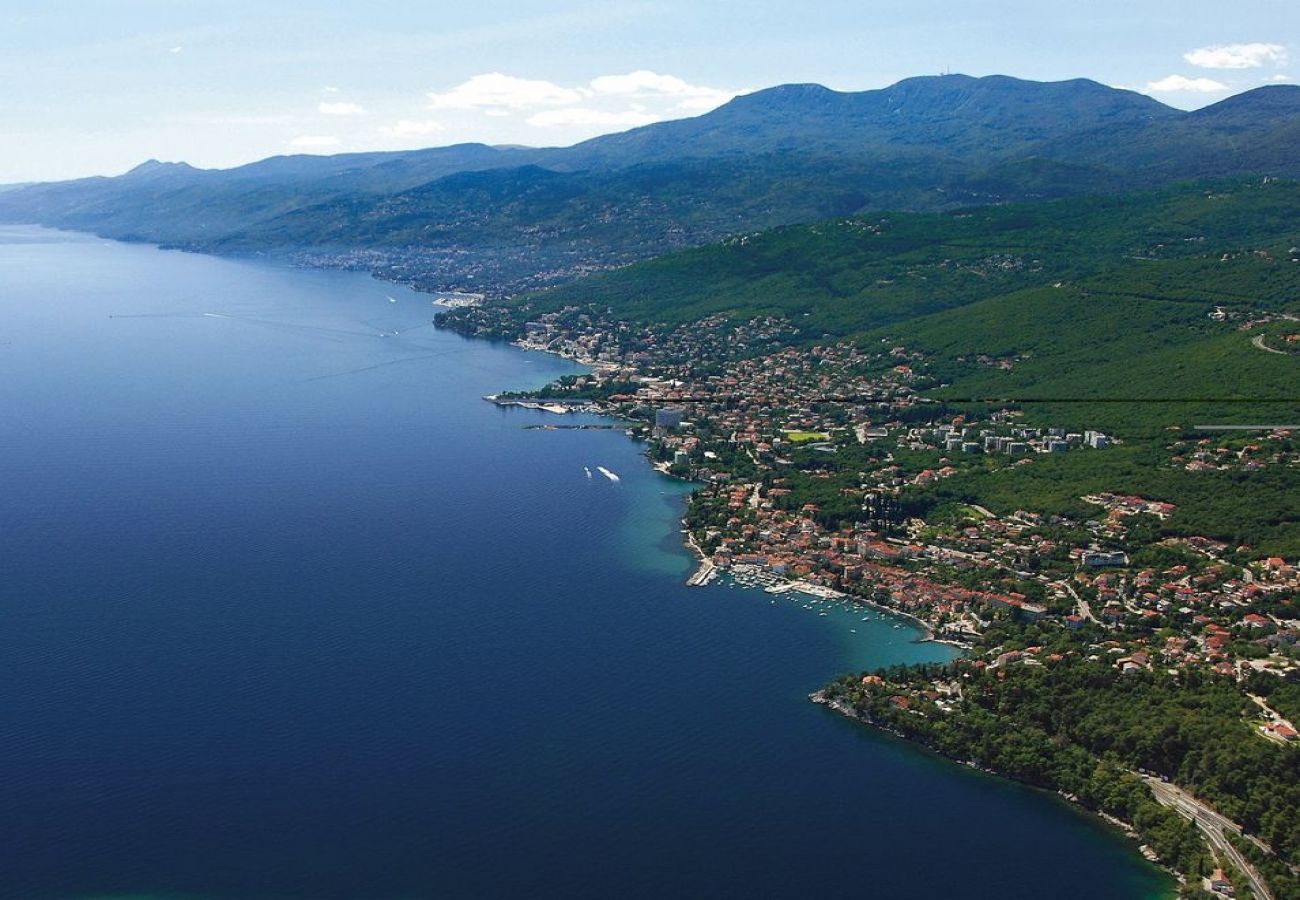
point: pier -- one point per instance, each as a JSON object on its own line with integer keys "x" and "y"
{"x": 703, "y": 575}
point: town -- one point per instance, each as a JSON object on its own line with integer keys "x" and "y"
{"x": 762, "y": 431}
{"x": 823, "y": 467}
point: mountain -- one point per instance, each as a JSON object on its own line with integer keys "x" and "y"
{"x": 953, "y": 115}
{"x": 1258, "y": 131}
{"x": 510, "y": 218}
{"x": 843, "y": 277}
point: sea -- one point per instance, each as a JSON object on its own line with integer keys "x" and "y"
{"x": 287, "y": 610}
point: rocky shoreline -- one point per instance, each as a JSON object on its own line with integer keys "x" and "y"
{"x": 822, "y": 698}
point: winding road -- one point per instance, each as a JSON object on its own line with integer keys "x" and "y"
{"x": 1258, "y": 341}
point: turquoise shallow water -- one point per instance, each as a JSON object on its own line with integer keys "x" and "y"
{"x": 287, "y": 611}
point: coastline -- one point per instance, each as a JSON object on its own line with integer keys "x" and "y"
{"x": 821, "y": 698}
{"x": 708, "y": 571}
{"x": 691, "y": 544}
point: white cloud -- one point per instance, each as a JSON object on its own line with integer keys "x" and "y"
{"x": 1182, "y": 84}
{"x": 640, "y": 82}
{"x": 646, "y": 84}
{"x": 329, "y": 89}
{"x": 632, "y": 98}
{"x": 405, "y": 128}
{"x": 703, "y": 102}
{"x": 1237, "y": 56}
{"x": 314, "y": 142}
{"x": 175, "y": 49}
{"x": 340, "y": 108}
{"x": 1279, "y": 78}
{"x": 498, "y": 91}
{"x": 580, "y": 115}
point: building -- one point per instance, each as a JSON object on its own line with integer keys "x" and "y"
{"x": 1219, "y": 884}
{"x": 1099, "y": 559}
{"x": 669, "y": 418}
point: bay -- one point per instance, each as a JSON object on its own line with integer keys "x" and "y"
{"x": 288, "y": 611}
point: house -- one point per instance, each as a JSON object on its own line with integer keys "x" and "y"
{"x": 1218, "y": 883}
{"x": 1135, "y": 663}
{"x": 1281, "y": 730}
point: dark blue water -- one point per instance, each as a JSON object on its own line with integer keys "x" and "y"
{"x": 286, "y": 610}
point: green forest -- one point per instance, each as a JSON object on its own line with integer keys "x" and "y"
{"x": 1083, "y": 728}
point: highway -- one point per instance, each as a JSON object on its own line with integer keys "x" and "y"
{"x": 1213, "y": 826}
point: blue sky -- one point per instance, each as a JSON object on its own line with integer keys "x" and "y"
{"x": 96, "y": 87}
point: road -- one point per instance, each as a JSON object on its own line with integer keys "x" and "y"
{"x": 1213, "y": 826}
{"x": 1258, "y": 341}
{"x": 1082, "y": 606}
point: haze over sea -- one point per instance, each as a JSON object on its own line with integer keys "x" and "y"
{"x": 288, "y": 611}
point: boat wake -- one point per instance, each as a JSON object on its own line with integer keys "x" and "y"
{"x": 607, "y": 473}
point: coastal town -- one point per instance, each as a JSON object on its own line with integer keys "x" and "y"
{"x": 577, "y": 450}
{"x": 759, "y": 432}
{"x": 755, "y": 431}
{"x": 823, "y": 468}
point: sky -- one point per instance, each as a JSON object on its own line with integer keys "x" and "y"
{"x": 97, "y": 86}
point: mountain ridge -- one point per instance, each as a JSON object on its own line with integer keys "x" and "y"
{"x": 786, "y": 154}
